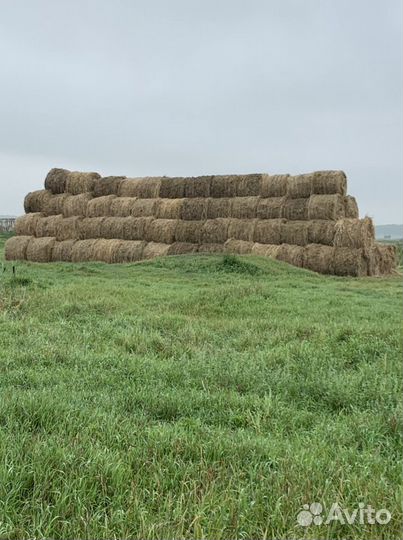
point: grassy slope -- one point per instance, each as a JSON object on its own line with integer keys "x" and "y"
{"x": 191, "y": 397}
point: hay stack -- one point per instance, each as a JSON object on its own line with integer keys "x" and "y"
{"x": 329, "y": 183}
{"x": 244, "y": 207}
{"x": 189, "y": 231}
{"x": 271, "y": 208}
{"x": 294, "y": 233}
{"x": 268, "y": 231}
{"x": 265, "y": 250}
{"x": 247, "y": 185}
{"x": 16, "y": 248}
{"x": 321, "y": 231}
{"x": 100, "y": 206}
{"x": 136, "y": 228}
{"x": 194, "y": 209}
{"x": 223, "y": 186}
{"x": 68, "y": 228}
{"x": 144, "y": 207}
{"x": 349, "y": 262}
{"x": 168, "y": 208}
{"x": 122, "y": 206}
{"x": 319, "y": 258}
{"x": 296, "y": 209}
{"x": 62, "y": 251}
{"x": 113, "y": 228}
{"x": 386, "y": 258}
{"x": 239, "y": 247}
{"x": 215, "y": 231}
{"x": 47, "y": 226}
{"x": 326, "y": 207}
{"x": 35, "y": 201}
{"x": 155, "y": 249}
{"x": 84, "y": 250}
{"x": 300, "y": 186}
{"x": 26, "y": 225}
{"x": 90, "y": 228}
{"x": 76, "y": 205}
{"x": 109, "y": 185}
{"x": 161, "y": 231}
{"x": 274, "y": 185}
{"x": 291, "y": 254}
{"x": 40, "y": 249}
{"x": 182, "y": 248}
{"x": 197, "y": 187}
{"x": 354, "y": 233}
{"x": 55, "y": 204}
{"x": 350, "y": 207}
{"x": 241, "y": 229}
{"x": 81, "y": 182}
{"x": 143, "y": 188}
{"x": 219, "y": 208}
{"x": 129, "y": 251}
{"x": 172, "y": 188}
{"x": 56, "y": 179}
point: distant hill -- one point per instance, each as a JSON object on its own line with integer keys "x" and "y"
{"x": 394, "y": 232}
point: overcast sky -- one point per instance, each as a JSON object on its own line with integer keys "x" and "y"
{"x": 189, "y": 87}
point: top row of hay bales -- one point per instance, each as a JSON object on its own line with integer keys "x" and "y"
{"x": 236, "y": 185}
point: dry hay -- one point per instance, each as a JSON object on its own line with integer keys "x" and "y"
{"x": 144, "y": 188}
{"x": 68, "y": 228}
{"x": 90, "y": 228}
{"x": 220, "y": 207}
{"x": 161, "y": 230}
{"x": 265, "y": 250}
{"x": 268, "y": 231}
{"x": 155, "y": 249}
{"x": 274, "y": 185}
{"x": 241, "y": 229}
{"x": 189, "y": 231}
{"x": 84, "y": 250}
{"x": 244, "y": 207}
{"x": 270, "y": 208}
{"x": 109, "y": 185}
{"x": 26, "y": 225}
{"x": 113, "y": 227}
{"x": 247, "y": 185}
{"x": 56, "y": 179}
{"x": 215, "y": 231}
{"x": 299, "y": 186}
{"x": 182, "y": 248}
{"x": 194, "y": 209}
{"x": 329, "y": 182}
{"x": 291, "y": 254}
{"x": 136, "y": 228}
{"x": 128, "y": 251}
{"x": 223, "y": 186}
{"x": 211, "y": 248}
{"x": 294, "y": 233}
{"x": 54, "y": 204}
{"x": 16, "y": 248}
{"x": 100, "y": 206}
{"x": 295, "y": 209}
{"x": 198, "y": 186}
{"x": 168, "y": 208}
{"x": 40, "y": 249}
{"x": 76, "y": 205}
{"x": 349, "y": 262}
{"x": 36, "y": 201}
{"x": 321, "y": 231}
{"x": 62, "y": 251}
{"x": 350, "y": 207}
{"x": 121, "y": 206}
{"x": 104, "y": 250}
{"x": 319, "y": 258}
{"x": 81, "y": 182}
{"x": 354, "y": 233}
{"x": 240, "y": 247}
{"x": 47, "y": 226}
{"x": 386, "y": 258}
{"x": 172, "y": 188}
{"x": 144, "y": 207}
{"x": 326, "y": 207}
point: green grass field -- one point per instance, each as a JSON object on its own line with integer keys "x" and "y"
{"x": 196, "y": 397}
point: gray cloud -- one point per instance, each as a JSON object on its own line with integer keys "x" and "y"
{"x": 191, "y": 87}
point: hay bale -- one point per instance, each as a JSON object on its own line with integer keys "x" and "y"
{"x": 108, "y": 185}
{"x": 168, "y": 208}
{"x": 223, "y": 186}
{"x": 295, "y": 209}
{"x": 128, "y": 251}
{"x": 40, "y": 249}
{"x": 198, "y": 186}
{"x": 104, "y": 250}
{"x": 136, "y": 228}
{"x": 84, "y": 250}
{"x": 90, "y": 228}
{"x": 329, "y": 182}
{"x": 143, "y": 188}
{"x": 274, "y": 185}
{"x": 321, "y": 231}
{"x": 76, "y": 205}
{"x": 182, "y": 248}
{"x": 271, "y": 208}
{"x": 326, "y": 207}
{"x": 248, "y": 185}
{"x": 318, "y": 258}
{"x": 211, "y": 248}
{"x": 68, "y": 228}
{"x": 81, "y": 182}
{"x": 386, "y": 259}
{"x": 268, "y": 231}
{"x": 350, "y": 207}
{"x": 215, "y": 231}
{"x": 100, "y": 206}
{"x": 291, "y": 254}
{"x": 244, "y": 207}
{"x": 26, "y": 225}
{"x": 56, "y": 179}
{"x": 144, "y": 207}
{"x": 15, "y": 248}
{"x": 240, "y": 247}
{"x": 172, "y": 188}
{"x": 294, "y": 233}
{"x": 265, "y": 250}
{"x": 62, "y": 251}
{"x": 241, "y": 229}
{"x": 36, "y": 201}
{"x": 354, "y": 233}
{"x": 349, "y": 262}
{"x": 299, "y": 186}
{"x": 47, "y": 226}
{"x": 220, "y": 207}
{"x": 155, "y": 249}
{"x": 189, "y": 231}
{"x": 194, "y": 209}
{"x": 54, "y": 204}
{"x": 161, "y": 231}
{"x": 122, "y": 206}
{"x": 113, "y": 228}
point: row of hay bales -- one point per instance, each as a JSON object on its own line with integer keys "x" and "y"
{"x": 354, "y": 233}
{"x": 324, "y": 259}
{"x": 330, "y": 207}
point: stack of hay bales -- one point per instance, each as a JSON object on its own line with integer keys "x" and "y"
{"x": 306, "y": 220}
